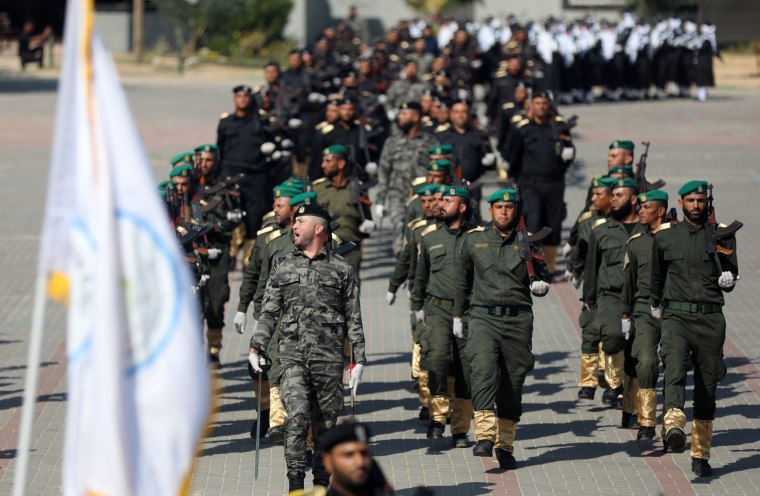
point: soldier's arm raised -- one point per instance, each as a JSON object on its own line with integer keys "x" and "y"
{"x": 352, "y": 312}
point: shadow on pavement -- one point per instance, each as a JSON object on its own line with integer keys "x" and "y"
{"x": 466, "y": 488}
{"x": 20, "y": 84}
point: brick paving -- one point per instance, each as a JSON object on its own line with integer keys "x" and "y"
{"x": 563, "y": 446}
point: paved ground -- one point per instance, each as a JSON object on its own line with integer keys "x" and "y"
{"x": 564, "y": 447}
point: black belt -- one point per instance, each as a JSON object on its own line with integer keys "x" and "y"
{"x": 684, "y": 306}
{"x": 507, "y": 311}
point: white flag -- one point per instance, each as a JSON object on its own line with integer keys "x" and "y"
{"x": 139, "y": 388}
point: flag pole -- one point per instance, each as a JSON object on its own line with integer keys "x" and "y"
{"x": 30, "y": 387}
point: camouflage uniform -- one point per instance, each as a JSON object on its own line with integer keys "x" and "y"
{"x": 404, "y": 90}
{"x": 404, "y": 158}
{"x": 316, "y": 302}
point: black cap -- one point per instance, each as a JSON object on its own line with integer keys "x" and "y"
{"x": 313, "y": 210}
{"x": 543, "y": 94}
{"x": 242, "y": 87}
{"x": 412, "y": 106}
{"x": 349, "y": 432}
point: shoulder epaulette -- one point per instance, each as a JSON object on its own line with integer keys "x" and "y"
{"x": 442, "y": 127}
{"x": 319, "y": 181}
{"x": 224, "y": 115}
{"x": 419, "y": 181}
{"x": 412, "y": 222}
{"x": 327, "y": 129}
{"x": 598, "y": 223}
{"x": 357, "y": 122}
{"x": 336, "y": 239}
{"x": 321, "y": 125}
{"x": 429, "y": 229}
{"x": 265, "y": 230}
{"x": 523, "y": 123}
{"x": 419, "y": 223}
{"x": 410, "y": 200}
{"x": 517, "y": 118}
{"x": 559, "y": 118}
{"x": 268, "y": 215}
{"x": 263, "y": 112}
{"x": 637, "y": 235}
{"x": 273, "y": 236}
{"x": 508, "y": 105}
{"x": 662, "y": 227}
{"x": 367, "y": 127}
{"x": 585, "y": 216}
{"x": 477, "y": 229}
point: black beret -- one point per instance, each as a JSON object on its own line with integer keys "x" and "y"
{"x": 312, "y": 209}
{"x": 349, "y": 432}
{"x": 242, "y": 87}
{"x": 412, "y": 106}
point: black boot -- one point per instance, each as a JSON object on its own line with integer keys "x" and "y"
{"x": 700, "y": 467}
{"x": 435, "y": 430}
{"x": 321, "y": 481}
{"x": 645, "y": 434}
{"x": 424, "y": 413}
{"x": 309, "y": 458}
{"x": 262, "y": 424}
{"x": 276, "y": 434}
{"x": 506, "y": 459}
{"x": 675, "y": 439}
{"x": 613, "y": 397}
{"x": 295, "y": 482}
{"x": 586, "y": 393}
{"x": 483, "y": 448}
{"x": 602, "y": 379}
{"x": 460, "y": 440}
{"x": 629, "y": 421}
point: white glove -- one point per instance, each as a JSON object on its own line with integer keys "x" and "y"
{"x": 277, "y": 155}
{"x": 567, "y": 249}
{"x": 458, "y": 328}
{"x": 203, "y": 280}
{"x": 267, "y": 148}
{"x": 488, "y": 160}
{"x": 294, "y": 123}
{"x": 239, "y": 321}
{"x": 315, "y": 97}
{"x": 727, "y": 280}
{"x": 379, "y": 211}
{"x": 390, "y": 298}
{"x": 476, "y": 64}
{"x": 356, "y": 377}
{"x": 656, "y": 311}
{"x": 234, "y": 216}
{"x": 463, "y": 94}
{"x": 539, "y": 288}
{"x": 367, "y": 227}
{"x": 568, "y": 153}
{"x": 392, "y": 113}
{"x": 381, "y": 99}
{"x": 255, "y": 360}
{"x": 287, "y": 144}
{"x": 576, "y": 283}
{"x": 419, "y": 316}
{"x": 371, "y": 168}
{"x": 214, "y": 253}
{"x": 626, "y": 326}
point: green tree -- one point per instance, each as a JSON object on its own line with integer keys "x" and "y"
{"x": 435, "y": 7}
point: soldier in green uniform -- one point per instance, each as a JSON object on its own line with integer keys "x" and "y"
{"x": 686, "y": 292}
{"x": 283, "y": 220}
{"x": 404, "y": 273}
{"x": 638, "y": 324}
{"x": 314, "y": 295}
{"x": 493, "y": 283}
{"x": 342, "y": 194}
{"x": 603, "y": 282}
{"x": 592, "y": 358}
{"x": 434, "y": 283}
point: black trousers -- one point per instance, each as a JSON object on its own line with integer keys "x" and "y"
{"x": 255, "y": 197}
{"x": 543, "y": 205}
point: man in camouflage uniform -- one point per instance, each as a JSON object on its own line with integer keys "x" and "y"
{"x": 314, "y": 295}
{"x": 343, "y": 195}
{"x": 603, "y": 282}
{"x": 404, "y": 158}
{"x": 638, "y": 324}
{"x": 686, "y": 292}
{"x": 494, "y": 285}
{"x": 434, "y": 283}
{"x": 408, "y": 89}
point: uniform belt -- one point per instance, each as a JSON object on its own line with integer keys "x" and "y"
{"x": 445, "y": 304}
{"x": 684, "y": 306}
{"x": 508, "y": 311}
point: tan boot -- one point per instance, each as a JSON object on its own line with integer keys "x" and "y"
{"x": 277, "y": 413}
{"x": 439, "y": 408}
{"x": 647, "y": 407}
{"x": 701, "y": 438}
{"x": 214, "y": 341}
{"x": 674, "y": 425}
{"x": 630, "y": 394}
{"x": 247, "y": 250}
{"x": 416, "y": 360}
{"x": 238, "y": 237}
{"x": 461, "y": 416}
{"x": 614, "y": 370}
{"x": 507, "y": 430}
{"x": 424, "y": 395}
{"x": 485, "y": 425}
{"x": 589, "y": 368}
{"x": 550, "y": 252}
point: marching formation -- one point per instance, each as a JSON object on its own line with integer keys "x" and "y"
{"x": 286, "y": 189}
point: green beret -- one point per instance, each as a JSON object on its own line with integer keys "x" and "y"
{"x": 206, "y": 148}
{"x": 184, "y": 170}
{"x": 186, "y": 157}
{"x": 695, "y": 186}
{"x": 456, "y": 191}
{"x": 503, "y": 195}
{"x": 295, "y": 183}
{"x": 654, "y": 195}
{"x": 335, "y": 150}
{"x": 286, "y": 191}
{"x": 443, "y": 149}
{"x": 626, "y": 170}
{"x": 165, "y": 184}
{"x": 429, "y": 189}
{"x": 440, "y": 165}
{"x": 625, "y": 182}
{"x": 303, "y": 199}
{"x": 603, "y": 182}
{"x": 624, "y": 144}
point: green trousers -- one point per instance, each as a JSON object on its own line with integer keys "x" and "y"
{"x": 646, "y": 339}
{"x": 702, "y": 336}
{"x": 444, "y": 354}
{"x": 217, "y": 289}
{"x": 609, "y": 323}
{"x": 590, "y": 333}
{"x": 501, "y": 351}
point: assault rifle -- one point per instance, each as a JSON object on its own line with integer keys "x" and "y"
{"x": 641, "y": 172}
{"x": 526, "y": 241}
{"x": 716, "y": 233}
